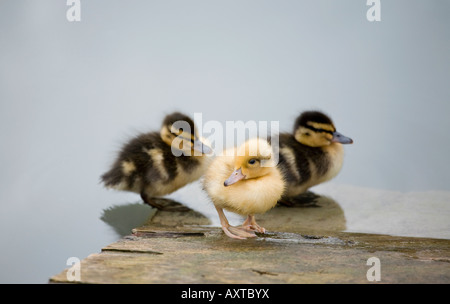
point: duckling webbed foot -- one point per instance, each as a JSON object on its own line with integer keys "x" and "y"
{"x": 163, "y": 204}
{"x": 285, "y": 202}
{"x": 240, "y": 233}
{"x": 250, "y": 224}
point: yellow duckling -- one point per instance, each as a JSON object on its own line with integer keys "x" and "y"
{"x": 312, "y": 155}
{"x": 245, "y": 181}
{"x": 158, "y": 163}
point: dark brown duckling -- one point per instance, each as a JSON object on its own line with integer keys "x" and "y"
{"x": 158, "y": 163}
{"x": 313, "y": 154}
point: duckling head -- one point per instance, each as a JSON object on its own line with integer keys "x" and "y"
{"x": 253, "y": 159}
{"x": 315, "y": 129}
{"x": 179, "y": 132}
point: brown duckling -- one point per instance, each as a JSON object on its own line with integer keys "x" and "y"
{"x": 245, "y": 181}
{"x": 158, "y": 163}
{"x": 313, "y": 154}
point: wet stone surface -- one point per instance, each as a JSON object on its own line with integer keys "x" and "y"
{"x": 301, "y": 245}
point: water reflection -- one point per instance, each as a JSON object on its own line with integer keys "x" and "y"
{"x": 369, "y": 210}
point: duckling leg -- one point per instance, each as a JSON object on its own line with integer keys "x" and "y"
{"x": 167, "y": 205}
{"x": 306, "y": 199}
{"x": 232, "y": 232}
{"x": 285, "y": 202}
{"x": 250, "y": 224}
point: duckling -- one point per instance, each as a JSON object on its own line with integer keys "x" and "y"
{"x": 312, "y": 155}
{"x": 156, "y": 164}
{"x": 245, "y": 181}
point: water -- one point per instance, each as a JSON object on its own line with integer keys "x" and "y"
{"x": 71, "y": 93}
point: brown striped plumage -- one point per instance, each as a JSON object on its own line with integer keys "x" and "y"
{"x": 150, "y": 166}
{"x": 311, "y": 155}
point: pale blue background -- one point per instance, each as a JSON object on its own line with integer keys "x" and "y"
{"x": 71, "y": 93}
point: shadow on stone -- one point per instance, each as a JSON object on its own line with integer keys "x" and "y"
{"x": 123, "y": 218}
{"x": 309, "y": 213}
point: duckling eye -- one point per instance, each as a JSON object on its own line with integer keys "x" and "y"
{"x": 252, "y": 161}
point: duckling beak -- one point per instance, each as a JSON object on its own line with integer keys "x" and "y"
{"x": 202, "y": 148}
{"x": 234, "y": 177}
{"x": 340, "y": 138}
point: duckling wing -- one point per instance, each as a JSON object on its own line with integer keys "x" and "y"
{"x": 301, "y": 165}
{"x": 140, "y": 161}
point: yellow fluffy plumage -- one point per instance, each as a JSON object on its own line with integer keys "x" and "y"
{"x": 254, "y": 184}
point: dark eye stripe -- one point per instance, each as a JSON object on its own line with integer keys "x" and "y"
{"x": 185, "y": 138}
{"x": 318, "y": 130}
